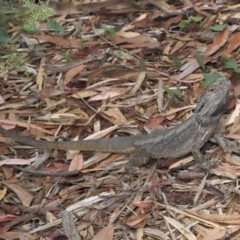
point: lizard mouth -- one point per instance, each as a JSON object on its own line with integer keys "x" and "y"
{"x": 219, "y": 110}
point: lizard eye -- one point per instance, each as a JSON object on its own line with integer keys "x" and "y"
{"x": 211, "y": 88}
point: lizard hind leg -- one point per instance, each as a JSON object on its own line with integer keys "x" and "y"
{"x": 199, "y": 159}
{"x": 140, "y": 158}
{"x": 202, "y": 162}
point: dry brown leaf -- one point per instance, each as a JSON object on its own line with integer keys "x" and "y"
{"x": 63, "y": 8}
{"x": 233, "y": 136}
{"x": 84, "y": 94}
{"x": 226, "y": 170}
{"x": 157, "y": 233}
{"x": 206, "y": 36}
{"x": 154, "y": 123}
{"x": 50, "y": 92}
{"x": 235, "y": 127}
{"x": 181, "y": 162}
{"x": 72, "y": 73}
{"x": 2, "y": 101}
{"x": 94, "y": 6}
{"x": 175, "y": 110}
{"x": 176, "y": 47}
{"x": 139, "y": 233}
{"x": 191, "y": 65}
{"x": 64, "y": 193}
{"x": 8, "y": 124}
{"x": 127, "y": 34}
{"x": 225, "y": 219}
{"x": 101, "y": 70}
{"x": 218, "y": 42}
{"x": 76, "y": 163}
{"x": 24, "y": 196}
{"x": 61, "y": 42}
{"x": 13, "y": 105}
{"x": 237, "y": 90}
{"x": 131, "y": 25}
{"x": 113, "y": 92}
{"x": 172, "y": 20}
{"x": 94, "y": 160}
{"x": 137, "y": 40}
{"x": 234, "y": 43}
{"x": 138, "y": 83}
{"x": 116, "y": 114}
{"x": 3, "y": 193}
{"x": 234, "y": 114}
{"x": 143, "y": 204}
{"x": 105, "y": 234}
{"x": 148, "y": 45}
{"x": 50, "y": 217}
{"x": 12, "y": 235}
{"x": 78, "y": 95}
{"x": 137, "y": 221}
{"x": 181, "y": 228}
{"x": 41, "y": 74}
{"x": 15, "y": 161}
{"x": 215, "y": 234}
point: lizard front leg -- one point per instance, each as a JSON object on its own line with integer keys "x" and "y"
{"x": 140, "y": 158}
{"x": 226, "y": 145}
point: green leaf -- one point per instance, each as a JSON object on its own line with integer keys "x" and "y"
{"x": 183, "y": 23}
{"x": 200, "y": 60}
{"x": 141, "y": 64}
{"x": 226, "y": 58}
{"x": 231, "y": 64}
{"x": 173, "y": 92}
{"x": 195, "y": 19}
{"x": 218, "y": 27}
{"x": 210, "y": 78}
{"x": 67, "y": 57}
{"x": 109, "y": 30}
{"x": 30, "y": 28}
{"x": 51, "y": 24}
{"x": 4, "y": 38}
{"x": 176, "y": 61}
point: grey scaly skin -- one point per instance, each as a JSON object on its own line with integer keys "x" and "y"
{"x": 187, "y": 137}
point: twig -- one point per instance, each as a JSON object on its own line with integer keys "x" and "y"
{"x": 167, "y": 13}
{"x": 42, "y": 173}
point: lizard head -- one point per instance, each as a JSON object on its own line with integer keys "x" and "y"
{"x": 214, "y": 100}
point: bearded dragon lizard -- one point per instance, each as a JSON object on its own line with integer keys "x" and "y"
{"x": 187, "y": 137}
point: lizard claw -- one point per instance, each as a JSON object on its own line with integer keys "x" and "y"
{"x": 131, "y": 170}
{"x": 232, "y": 148}
{"x": 208, "y": 165}
{"x": 213, "y": 163}
{"x": 132, "y": 167}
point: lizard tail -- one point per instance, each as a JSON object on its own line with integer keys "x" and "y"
{"x": 118, "y": 144}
